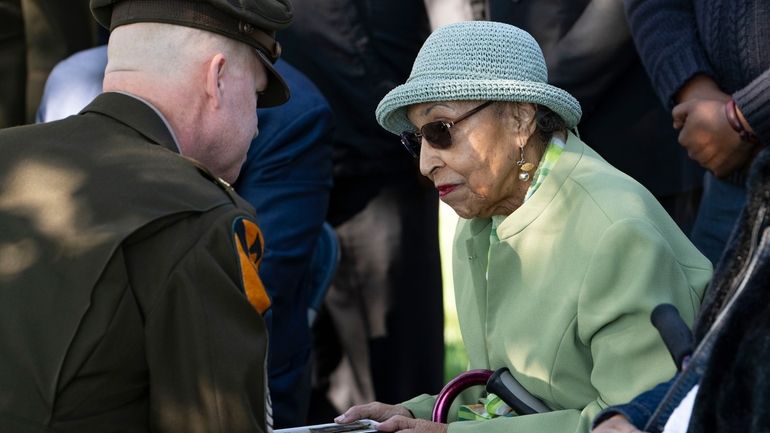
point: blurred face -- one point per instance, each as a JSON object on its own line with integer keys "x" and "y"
{"x": 477, "y": 175}
{"x": 238, "y": 115}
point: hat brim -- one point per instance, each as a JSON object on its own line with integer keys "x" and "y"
{"x": 277, "y": 91}
{"x": 391, "y": 111}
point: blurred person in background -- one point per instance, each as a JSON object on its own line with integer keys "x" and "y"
{"x": 385, "y": 304}
{"x": 709, "y": 65}
{"x": 34, "y": 36}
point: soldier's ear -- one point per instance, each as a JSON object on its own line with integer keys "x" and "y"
{"x": 214, "y": 82}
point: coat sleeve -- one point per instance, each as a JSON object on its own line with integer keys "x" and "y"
{"x": 666, "y": 36}
{"x": 206, "y": 343}
{"x": 633, "y": 269}
{"x": 421, "y": 406}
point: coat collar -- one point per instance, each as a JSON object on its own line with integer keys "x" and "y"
{"x": 532, "y": 208}
{"x": 136, "y": 114}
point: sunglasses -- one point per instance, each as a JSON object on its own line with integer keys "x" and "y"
{"x": 435, "y": 133}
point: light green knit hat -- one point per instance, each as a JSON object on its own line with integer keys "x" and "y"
{"x": 476, "y": 61}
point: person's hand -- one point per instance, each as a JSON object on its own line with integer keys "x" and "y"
{"x": 404, "y": 424}
{"x": 375, "y": 411}
{"x": 616, "y": 424}
{"x": 708, "y": 137}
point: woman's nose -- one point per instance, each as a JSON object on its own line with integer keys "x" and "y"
{"x": 430, "y": 159}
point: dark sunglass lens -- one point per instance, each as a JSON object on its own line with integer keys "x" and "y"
{"x": 437, "y": 134}
{"x": 411, "y": 142}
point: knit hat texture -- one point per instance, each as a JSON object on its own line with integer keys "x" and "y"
{"x": 476, "y": 60}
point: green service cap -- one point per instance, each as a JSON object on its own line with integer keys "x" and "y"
{"x": 253, "y": 22}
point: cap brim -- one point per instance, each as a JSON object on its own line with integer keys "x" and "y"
{"x": 277, "y": 91}
{"x": 391, "y": 111}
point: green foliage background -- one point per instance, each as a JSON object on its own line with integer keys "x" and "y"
{"x": 455, "y": 358}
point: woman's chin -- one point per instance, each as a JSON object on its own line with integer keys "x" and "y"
{"x": 463, "y": 212}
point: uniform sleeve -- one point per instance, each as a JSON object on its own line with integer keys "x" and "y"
{"x": 633, "y": 269}
{"x": 666, "y": 37}
{"x": 206, "y": 342}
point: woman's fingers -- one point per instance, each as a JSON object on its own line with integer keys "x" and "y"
{"x": 397, "y": 423}
{"x": 375, "y": 411}
{"x": 404, "y": 424}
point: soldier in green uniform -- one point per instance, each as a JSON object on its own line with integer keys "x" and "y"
{"x": 129, "y": 293}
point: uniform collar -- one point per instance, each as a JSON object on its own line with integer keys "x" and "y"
{"x": 137, "y": 114}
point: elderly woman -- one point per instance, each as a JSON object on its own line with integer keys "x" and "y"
{"x": 558, "y": 258}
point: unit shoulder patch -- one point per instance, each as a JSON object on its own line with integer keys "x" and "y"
{"x": 248, "y": 244}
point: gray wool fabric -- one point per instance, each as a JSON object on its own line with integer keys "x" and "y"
{"x": 476, "y": 60}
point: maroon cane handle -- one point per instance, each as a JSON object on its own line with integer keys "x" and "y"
{"x": 452, "y": 389}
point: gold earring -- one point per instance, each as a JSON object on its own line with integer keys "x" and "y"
{"x": 524, "y": 166}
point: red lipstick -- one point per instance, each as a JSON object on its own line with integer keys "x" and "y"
{"x": 445, "y": 189}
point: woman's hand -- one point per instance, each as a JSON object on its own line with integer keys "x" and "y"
{"x": 403, "y": 424}
{"x": 615, "y": 424}
{"x": 394, "y": 418}
{"x": 375, "y": 411}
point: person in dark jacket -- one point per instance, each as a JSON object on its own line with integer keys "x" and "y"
{"x": 385, "y": 303}
{"x": 724, "y": 385}
{"x": 708, "y": 64}
{"x": 129, "y": 268}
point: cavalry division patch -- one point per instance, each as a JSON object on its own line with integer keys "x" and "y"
{"x": 248, "y": 243}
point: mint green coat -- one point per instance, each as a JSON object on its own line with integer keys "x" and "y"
{"x": 572, "y": 281}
